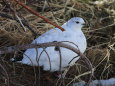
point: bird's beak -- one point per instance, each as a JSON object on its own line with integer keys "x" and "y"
{"x": 85, "y": 25}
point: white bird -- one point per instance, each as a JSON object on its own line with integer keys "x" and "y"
{"x": 72, "y": 33}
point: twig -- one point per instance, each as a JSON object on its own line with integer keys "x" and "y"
{"x": 83, "y": 74}
{"x": 42, "y": 45}
{"x": 37, "y": 14}
{"x": 102, "y": 27}
{"x": 23, "y": 21}
{"x": 20, "y": 21}
{"x": 8, "y": 4}
{"x": 6, "y": 74}
{"x": 49, "y": 44}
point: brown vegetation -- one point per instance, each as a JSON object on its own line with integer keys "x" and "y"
{"x": 100, "y": 37}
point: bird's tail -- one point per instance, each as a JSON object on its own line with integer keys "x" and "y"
{"x": 16, "y": 60}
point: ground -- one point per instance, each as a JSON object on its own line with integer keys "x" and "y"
{"x": 100, "y": 38}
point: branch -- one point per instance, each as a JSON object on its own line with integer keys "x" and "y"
{"x": 23, "y": 21}
{"x": 17, "y": 18}
{"x": 40, "y": 45}
{"x": 37, "y": 14}
{"x": 49, "y": 44}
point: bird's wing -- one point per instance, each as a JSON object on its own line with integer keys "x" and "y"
{"x": 49, "y": 36}
{"x": 33, "y": 53}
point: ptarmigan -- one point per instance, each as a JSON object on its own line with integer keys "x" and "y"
{"x": 72, "y": 33}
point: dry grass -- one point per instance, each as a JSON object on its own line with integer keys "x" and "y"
{"x": 100, "y": 37}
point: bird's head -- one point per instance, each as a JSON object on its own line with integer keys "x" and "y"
{"x": 76, "y": 22}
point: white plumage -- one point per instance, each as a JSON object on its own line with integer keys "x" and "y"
{"x": 72, "y": 33}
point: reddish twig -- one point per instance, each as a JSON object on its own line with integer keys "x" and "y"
{"x": 16, "y": 17}
{"x": 37, "y": 14}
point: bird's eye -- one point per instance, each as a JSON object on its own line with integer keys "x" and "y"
{"x": 77, "y": 22}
